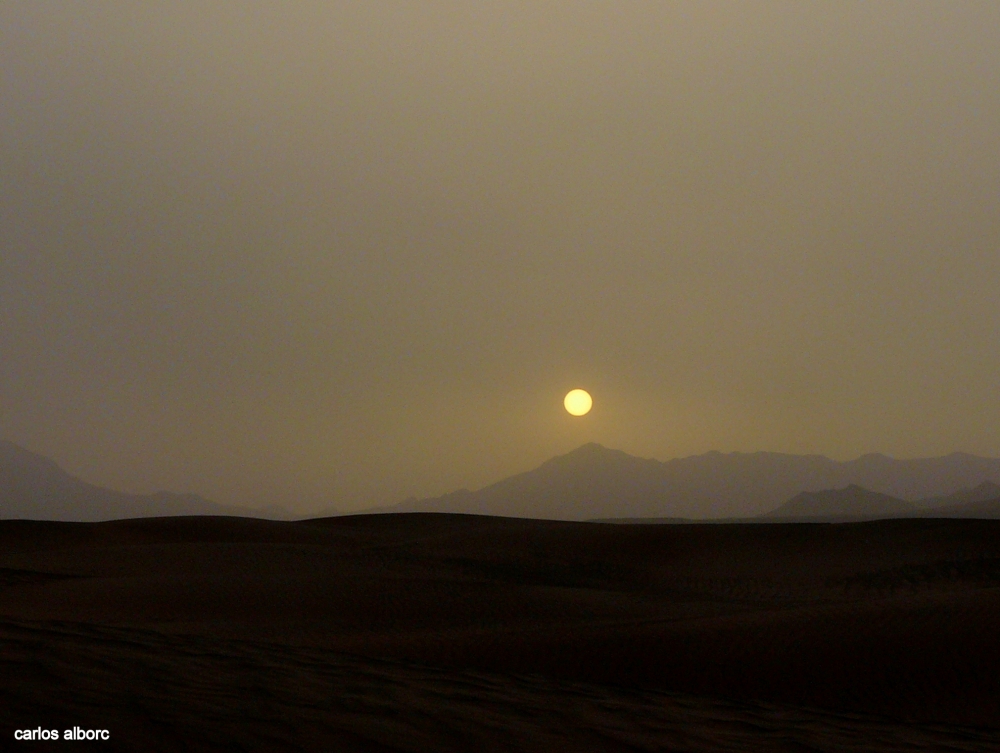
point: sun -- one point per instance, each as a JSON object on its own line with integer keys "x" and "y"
{"x": 578, "y": 402}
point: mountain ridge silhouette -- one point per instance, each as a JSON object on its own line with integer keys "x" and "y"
{"x": 590, "y": 482}
{"x": 34, "y": 487}
{"x": 852, "y": 501}
{"x": 595, "y": 482}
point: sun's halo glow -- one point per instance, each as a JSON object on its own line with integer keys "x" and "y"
{"x": 578, "y": 402}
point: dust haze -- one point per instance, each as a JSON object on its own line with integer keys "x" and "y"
{"x": 338, "y": 254}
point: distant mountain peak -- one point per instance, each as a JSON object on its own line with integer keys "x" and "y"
{"x": 590, "y": 448}
{"x": 585, "y": 454}
{"x": 34, "y": 487}
{"x": 850, "y": 501}
{"x": 594, "y": 481}
{"x": 13, "y": 454}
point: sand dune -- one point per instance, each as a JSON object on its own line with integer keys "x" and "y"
{"x": 580, "y": 635}
{"x": 161, "y": 692}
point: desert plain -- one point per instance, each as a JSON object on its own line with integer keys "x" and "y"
{"x": 422, "y": 631}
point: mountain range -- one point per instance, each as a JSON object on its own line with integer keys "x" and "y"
{"x": 34, "y": 487}
{"x": 854, "y": 502}
{"x": 594, "y": 482}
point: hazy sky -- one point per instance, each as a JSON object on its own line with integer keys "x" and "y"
{"x": 338, "y": 253}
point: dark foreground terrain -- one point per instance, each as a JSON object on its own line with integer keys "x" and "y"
{"x": 423, "y": 632}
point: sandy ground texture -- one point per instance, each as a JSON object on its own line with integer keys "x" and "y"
{"x": 448, "y": 632}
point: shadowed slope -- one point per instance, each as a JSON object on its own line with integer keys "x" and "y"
{"x": 981, "y": 493}
{"x": 850, "y": 502}
{"x": 987, "y": 508}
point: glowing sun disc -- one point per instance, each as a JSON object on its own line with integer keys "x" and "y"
{"x": 578, "y": 402}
